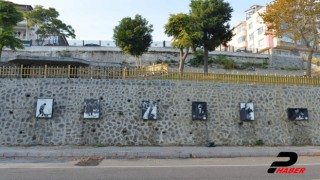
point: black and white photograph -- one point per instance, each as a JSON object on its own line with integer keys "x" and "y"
{"x": 91, "y": 109}
{"x": 298, "y": 114}
{"x": 199, "y": 111}
{"x": 246, "y": 112}
{"x": 149, "y": 110}
{"x": 44, "y": 108}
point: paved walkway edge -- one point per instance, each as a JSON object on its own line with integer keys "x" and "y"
{"x": 153, "y": 152}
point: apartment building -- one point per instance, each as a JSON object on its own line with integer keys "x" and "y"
{"x": 249, "y": 36}
{"x": 28, "y": 34}
{"x": 22, "y": 30}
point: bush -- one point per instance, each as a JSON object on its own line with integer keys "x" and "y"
{"x": 259, "y": 142}
{"x": 248, "y": 65}
{"x": 223, "y": 60}
{"x": 197, "y": 59}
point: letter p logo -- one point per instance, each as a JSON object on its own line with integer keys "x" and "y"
{"x": 293, "y": 157}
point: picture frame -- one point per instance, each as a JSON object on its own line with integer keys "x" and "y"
{"x": 247, "y": 112}
{"x": 298, "y": 114}
{"x": 199, "y": 111}
{"x": 91, "y": 109}
{"x": 149, "y": 110}
{"x": 44, "y": 108}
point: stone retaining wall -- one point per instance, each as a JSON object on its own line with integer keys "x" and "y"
{"x": 104, "y": 56}
{"x": 121, "y": 116}
{"x": 278, "y": 61}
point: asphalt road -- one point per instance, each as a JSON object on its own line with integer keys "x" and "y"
{"x": 155, "y": 169}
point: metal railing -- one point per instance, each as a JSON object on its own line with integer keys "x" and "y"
{"x": 159, "y": 72}
{"x": 93, "y": 43}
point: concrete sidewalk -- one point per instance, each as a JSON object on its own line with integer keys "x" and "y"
{"x": 155, "y": 152}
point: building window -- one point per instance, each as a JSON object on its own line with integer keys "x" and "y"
{"x": 241, "y": 28}
{"x": 251, "y": 36}
{"x": 241, "y": 39}
{"x": 261, "y": 42}
{"x": 250, "y": 26}
{"x": 260, "y": 30}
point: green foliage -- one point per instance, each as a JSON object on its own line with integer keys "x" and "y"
{"x": 183, "y": 29}
{"x": 197, "y": 59}
{"x": 223, "y": 60}
{"x": 259, "y": 142}
{"x": 290, "y": 69}
{"x": 248, "y": 65}
{"x": 9, "y": 17}
{"x": 213, "y": 17}
{"x": 49, "y": 24}
{"x": 133, "y": 36}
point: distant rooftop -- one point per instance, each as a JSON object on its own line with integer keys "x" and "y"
{"x": 24, "y": 7}
{"x": 253, "y": 9}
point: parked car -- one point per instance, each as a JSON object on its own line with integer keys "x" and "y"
{"x": 91, "y": 44}
{"x": 243, "y": 50}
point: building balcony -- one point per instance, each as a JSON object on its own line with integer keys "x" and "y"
{"x": 23, "y": 23}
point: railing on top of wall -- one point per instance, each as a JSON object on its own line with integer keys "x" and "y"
{"x": 159, "y": 72}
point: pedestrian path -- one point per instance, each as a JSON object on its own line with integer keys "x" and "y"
{"x": 155, "y": 152}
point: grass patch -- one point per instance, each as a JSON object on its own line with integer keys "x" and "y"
{"x": 259, "y": 142}
{"x": 250, "y": 65}
{"x": 224, "y": 61}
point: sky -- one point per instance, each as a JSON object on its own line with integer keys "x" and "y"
{"x": 96, "y": 19}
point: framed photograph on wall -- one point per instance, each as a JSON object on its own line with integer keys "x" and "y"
{"x": 149, "y": 110}
{"x": 199, "y": 111}
{"x": 91, "y": 109}
{"x": 298, "y": 114}
{"x": 246, "y": 112}
{"x": 44, "y": 108}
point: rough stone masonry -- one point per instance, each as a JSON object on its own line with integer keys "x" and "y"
{"x": 121, "y": 120}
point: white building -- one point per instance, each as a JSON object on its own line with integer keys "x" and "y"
{"x": 249, "y": 36}
{"x": 28, "y": 34}
{"x": 22, "y": 30}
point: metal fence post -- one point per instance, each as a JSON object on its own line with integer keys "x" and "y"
{"x": 45, "y": 71}
{"x": 21, "y": 70}
{"x": 124, "y": 70}
{"x": 69, "y": 68}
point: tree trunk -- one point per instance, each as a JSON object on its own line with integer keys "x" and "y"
{"x": 183, "y": 57}
{"x": 205, "y": 60}
{"x": 1, "y": 47}
{"x": 309, "y": 62}
{"x": 137, "y": 61}
{"x": 140, "y": 62}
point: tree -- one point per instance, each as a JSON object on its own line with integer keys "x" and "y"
{"x": 133, "y": 36}
{"x": 213, "y": 16}
{"x": 298, "y": 20}
{"x": 9, "y": 17}
{"x": 184, "y": 30}
{"x": 49, "y": 24}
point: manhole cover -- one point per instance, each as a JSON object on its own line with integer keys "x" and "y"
{"x": 91, "y": 161}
